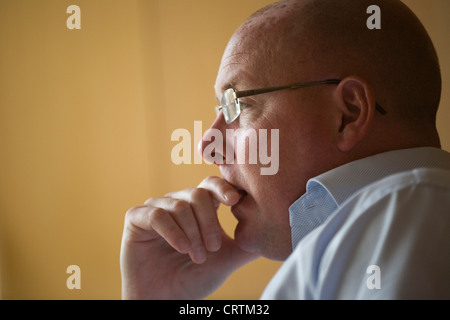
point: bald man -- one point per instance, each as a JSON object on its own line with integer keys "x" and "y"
{"x": 360, "y": 206}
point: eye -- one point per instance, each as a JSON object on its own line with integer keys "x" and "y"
{"x": 244, "y": 105}
{"x": 248, "y": 113}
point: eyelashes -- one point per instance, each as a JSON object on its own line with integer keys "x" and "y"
{"x": 244, "y": 105}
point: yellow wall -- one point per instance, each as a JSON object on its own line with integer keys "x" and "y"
{"x": 85, "y": 123}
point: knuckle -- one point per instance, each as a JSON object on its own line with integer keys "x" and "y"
{"x": 181, "y": 206}
{"x": 156, "y": 214}
{"x": 130, "y": 212}
{"x": 199, "y": 194}
{"x": 208, "y": 180}
{"x": 148, "y": 201}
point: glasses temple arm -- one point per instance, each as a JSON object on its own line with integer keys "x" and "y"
{"x": 246, "y": 93}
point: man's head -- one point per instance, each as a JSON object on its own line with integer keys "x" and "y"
{"x": 322, "y": 127}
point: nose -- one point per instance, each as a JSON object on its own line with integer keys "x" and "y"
{"x": 212, "y": 146}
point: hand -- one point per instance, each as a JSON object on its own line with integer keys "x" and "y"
{"x": 174, "y": 247}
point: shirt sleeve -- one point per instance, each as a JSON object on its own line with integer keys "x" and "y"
{"x": 389, "y": 241}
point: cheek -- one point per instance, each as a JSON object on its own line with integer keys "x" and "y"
{"x": 269, "y": 158}
{"x": 291, "y": 151}
{"x": 301, "y": 155}
{"x": 274, "y": 194}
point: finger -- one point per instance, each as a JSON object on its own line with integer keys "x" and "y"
{"x": 206, "y": 215}
{"x": 183, "y": 214}
{"x": 155, "y": 222}
{"x": 221, "y": 190}
{"x": 205, "y": 212}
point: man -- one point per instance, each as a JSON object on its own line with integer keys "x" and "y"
{"x": 360, "y": 206}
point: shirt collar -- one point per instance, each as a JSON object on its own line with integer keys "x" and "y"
{"x": 326, "y": 192}
{"x": 344, "y": 181}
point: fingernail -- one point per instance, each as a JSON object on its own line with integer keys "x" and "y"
{"x": 183, "y": 246}
{"x": 199, "y": 255}
{"x": 213, "y": 242}
{"x": 229, "y": 195}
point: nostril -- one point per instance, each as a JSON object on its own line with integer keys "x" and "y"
{"x": 211, "y": 147}
{"x": 212, "y": 156}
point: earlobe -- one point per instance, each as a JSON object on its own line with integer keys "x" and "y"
{"x": 356, "y": 108}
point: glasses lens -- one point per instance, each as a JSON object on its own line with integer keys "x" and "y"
{"x": 230, "y": 106}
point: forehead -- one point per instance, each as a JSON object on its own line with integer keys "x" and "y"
{"x": 258, "y": 51}
{"x": 240, "y": 67}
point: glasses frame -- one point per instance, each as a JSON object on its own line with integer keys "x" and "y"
{"x": 254, "y": 92}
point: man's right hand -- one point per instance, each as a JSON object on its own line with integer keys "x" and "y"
{"x": 174, "y": 247}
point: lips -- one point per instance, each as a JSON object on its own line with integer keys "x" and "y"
{"x": 238, "y": 209}
{"x": 228, "y": 177}
{"x": 243, "y": 195}
{"x": 242, "y": 192}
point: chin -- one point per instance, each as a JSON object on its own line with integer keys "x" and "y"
{"x": 243, "y": 240}
{"x": 262, "y": 245}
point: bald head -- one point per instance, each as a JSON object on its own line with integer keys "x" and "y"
{"x": 304, "y": 40}
{"x": 325, "y": 126}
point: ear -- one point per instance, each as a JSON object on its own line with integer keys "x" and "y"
{"x": 356, "y": 105}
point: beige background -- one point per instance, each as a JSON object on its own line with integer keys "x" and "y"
{"x": 86, "y": 118}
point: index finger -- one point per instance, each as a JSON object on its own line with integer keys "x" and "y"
{"x": 221, "y": 190}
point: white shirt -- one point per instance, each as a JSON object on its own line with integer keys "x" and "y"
{"x": 376, "y": 228}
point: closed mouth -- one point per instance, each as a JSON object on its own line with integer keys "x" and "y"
{"x": 243, "y": 195}
{"x": 242, "y": 192}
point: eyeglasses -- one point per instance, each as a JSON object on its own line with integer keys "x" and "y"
{"x": 231, "y": 106}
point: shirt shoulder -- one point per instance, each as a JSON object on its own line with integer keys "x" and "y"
{"x": 401, "y": 226}
{"x": 398, "y": 226}
{"x": 416, "y": 180}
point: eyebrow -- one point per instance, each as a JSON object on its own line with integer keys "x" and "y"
{"x": 225, "y": 87}
{"x": 238, "y": 79}
{"x": 229, "y": 85}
